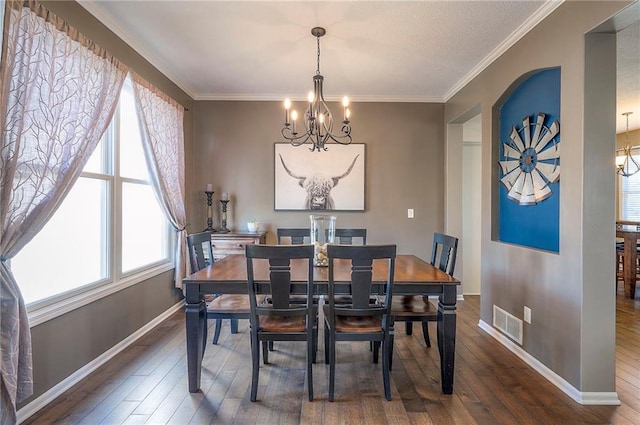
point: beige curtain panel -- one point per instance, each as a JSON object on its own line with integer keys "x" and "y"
{"x": 58, "y": 94}
{"x": 161, "y": 119}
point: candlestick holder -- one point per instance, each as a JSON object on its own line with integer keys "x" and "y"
{"x": 209, "y": 212}
{"x": 223, "y": 224}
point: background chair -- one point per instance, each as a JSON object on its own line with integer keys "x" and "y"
{"x": 297, "y": 236}
{"x": 420, "y": 309}
{"x": 345, "y": 236}
{"x": 224, "y": 306}
{"x": 361, "y": 320}
{"x": 280, "y": 320}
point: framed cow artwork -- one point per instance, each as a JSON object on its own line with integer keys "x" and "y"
{"x": 325, "y": 180}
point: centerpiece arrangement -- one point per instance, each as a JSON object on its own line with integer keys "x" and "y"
{"x": 323, "y": 232}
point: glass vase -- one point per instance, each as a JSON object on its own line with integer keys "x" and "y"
{"x": 323, "y": 231}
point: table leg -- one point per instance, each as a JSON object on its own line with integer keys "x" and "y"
{"x": 630, "y": 258}
{"x": 196, "y": 320}
{"x": 447, "y": 337}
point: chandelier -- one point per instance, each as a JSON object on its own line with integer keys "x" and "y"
{"x": 627, "y": 165}
{"x": 317, "y": 120}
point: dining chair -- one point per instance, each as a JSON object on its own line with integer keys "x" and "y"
{"x": 411, "y": 309}
{"x": 280, "y": 320}
{"x": 297, "y": 236}
{"x": 222, "y": 306}
{"x": 361, "y": 320}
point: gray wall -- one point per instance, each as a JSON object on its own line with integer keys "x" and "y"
{"x": 404, "y": 169}
{"x": 67, "y": 343}
{"x": 571, "y": 294}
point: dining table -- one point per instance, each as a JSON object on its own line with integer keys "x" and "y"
{"x": 412, "y": 276}
{"x": 630, "y": 233}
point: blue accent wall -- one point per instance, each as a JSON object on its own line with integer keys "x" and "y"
{"x": 535, "y": 226}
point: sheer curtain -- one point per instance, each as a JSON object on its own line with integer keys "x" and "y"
{"x": 58, "y": 94}
{"x": 161, "y": 121}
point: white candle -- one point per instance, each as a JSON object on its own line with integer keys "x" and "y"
{"x": 287, "y": 105}
{"x": 294, "y": 117}
{"x": 209, "y": 187}
{"x": 345, "y": 104}
{"x": 225, "y": 196}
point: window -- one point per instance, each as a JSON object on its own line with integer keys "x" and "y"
{"x": 92, "y": 245}
{"x": 630, "y": 196}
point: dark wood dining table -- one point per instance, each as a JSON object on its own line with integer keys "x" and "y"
{"x": 630, "y": 233}
{"x": 413, "y": 276}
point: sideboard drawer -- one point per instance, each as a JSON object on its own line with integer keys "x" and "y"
{"x": 234, "y": 243}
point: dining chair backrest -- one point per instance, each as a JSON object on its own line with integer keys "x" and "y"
{"x": 279, "y": 286}
{"x": 200, "y": 250}
{"x": 298, "y": 236}
{"x": 446, "y": 247}
{"x": 345, "y": 236}
{"x": 361, "y": 257}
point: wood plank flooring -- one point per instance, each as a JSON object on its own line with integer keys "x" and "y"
{"x": 147, "y": 383}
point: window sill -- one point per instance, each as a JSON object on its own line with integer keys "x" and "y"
{"x": 45, "y": 313}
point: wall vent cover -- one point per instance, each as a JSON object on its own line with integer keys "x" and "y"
{"x": 508, "y": 324}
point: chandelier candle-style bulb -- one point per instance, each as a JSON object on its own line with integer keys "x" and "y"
{"x": 287, "y": 105}
{"x": 317, "y": 120}
{"x": 345, "y": 104}
{"x": 294, "y": 117}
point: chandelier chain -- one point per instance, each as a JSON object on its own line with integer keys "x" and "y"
{"x": 318, "y": 66}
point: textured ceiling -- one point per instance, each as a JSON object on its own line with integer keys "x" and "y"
{"x": 374, "y": 50}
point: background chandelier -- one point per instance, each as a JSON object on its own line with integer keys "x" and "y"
{"x": 627, "y": 165}
{"x": 317, "y": 121}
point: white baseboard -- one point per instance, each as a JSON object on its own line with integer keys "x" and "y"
{"x": 584, "y": 398}
{"x": 46, "y": 398}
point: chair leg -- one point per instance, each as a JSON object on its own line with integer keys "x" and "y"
{"x": 265, "y": 352}
{"x": 216, "y": 332}
{"x": 311, "y": 358}
{"x": 387, "y": 347}
{"x": 408, "y": 327}
{"x": 376, "y": 349}
{"x": 255, "y": 366}
{"x": 425, "y": 332}
{"x": 270, "y": 345}
{"x": 314, "y": 344}
{"x": 332, "y": 366}
{"x": 326, "y": 343}
{"x": 234, "y": 326}
{"x": 390, "y": 355}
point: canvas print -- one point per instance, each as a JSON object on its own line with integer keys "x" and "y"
{"x": 327, "y": 180}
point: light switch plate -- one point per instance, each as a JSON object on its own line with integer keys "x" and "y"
{"x": 410, "y": 213}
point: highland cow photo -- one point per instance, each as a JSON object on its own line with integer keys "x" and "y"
{"x": 325, "y": 180}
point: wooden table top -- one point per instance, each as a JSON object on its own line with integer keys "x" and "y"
{"x": 408, "y": 269}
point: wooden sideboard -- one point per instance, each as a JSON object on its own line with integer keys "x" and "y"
{"x": 234, "y": 243}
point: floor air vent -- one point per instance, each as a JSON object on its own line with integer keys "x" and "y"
{"x": 509, "y": 324}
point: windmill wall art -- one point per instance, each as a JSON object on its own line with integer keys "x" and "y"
{"x": 528, "y": 149}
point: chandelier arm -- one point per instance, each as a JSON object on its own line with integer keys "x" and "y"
{"x": 339, "y": 139}
{"x": 295, "y": 140}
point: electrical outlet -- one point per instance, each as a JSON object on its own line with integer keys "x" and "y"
{"x": 527, "y": 314}
{"x": 410, "y": 213}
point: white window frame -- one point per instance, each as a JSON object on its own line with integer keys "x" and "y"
{"x": 43, "y": 310}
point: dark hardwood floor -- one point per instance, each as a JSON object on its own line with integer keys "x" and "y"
{"x": 146, "y": 384}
